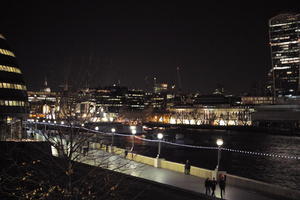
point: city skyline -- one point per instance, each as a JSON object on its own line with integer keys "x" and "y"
{"x": 100, "y": 44}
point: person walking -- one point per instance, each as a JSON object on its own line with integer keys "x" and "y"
{"x": 207, "y": 186}
{"x": 213, "y": 187}
{"x": 187, "y": 167}
{"x": 125, "y": 153}
{"x": 222, "y": 184}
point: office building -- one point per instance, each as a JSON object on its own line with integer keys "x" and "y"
{"x": 13, "y": 94}
{"x": 284, "y": 31}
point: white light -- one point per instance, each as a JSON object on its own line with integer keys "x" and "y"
{"x": 96, "y": 128}
{"x": 43, "y": 120}
{"x": 113, "y": 130}
{"x": 132, "y": 127}
{"x": 219, "y": 142}
{"x": 160, "y": 136}
{"x": 49, "y": 121}
{"x": 133, "y": 131}
{"x": 54, "y": 122}
{"x": 62, "y": 122}
{"x": 82, "y": 125}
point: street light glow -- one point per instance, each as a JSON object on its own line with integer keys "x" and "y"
{"x": 220, "y": 142}
{"x": 96, "y": 128}
{"x": 62, "y": 122}
{"x": 160, "y": 136}
{"x": 113, "y": 130}
{"x": 133, "y": 131}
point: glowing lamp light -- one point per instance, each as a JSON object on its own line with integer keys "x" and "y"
{"x": 113, "y": 130}
{"x": 220, "y": 142}
{"x": 132, "y": 127}
{"x": 62, "y": 122}
{"x": 160, "y": 136}
{"x": 97, "y": 128}
{"x": 54, "y": 122}
{"x": 82, "y": 125}
{"x": 133, "y": 131}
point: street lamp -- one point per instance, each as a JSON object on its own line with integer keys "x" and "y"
{"x": 133, "y": 131}
{"x": 160, "y": 137}
{"x": 113, "y": 130}
{"x": 219, "y": 143}
{"x": 97, "y": 128}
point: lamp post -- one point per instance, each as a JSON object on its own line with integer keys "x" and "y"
{"x": 113, "y": 130}
{"x": 219, "y": 143}
{"x": 133, "y": 131}
{"x": 159, "y": 137}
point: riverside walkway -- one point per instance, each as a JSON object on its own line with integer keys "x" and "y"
{"x": 172, "y": 178}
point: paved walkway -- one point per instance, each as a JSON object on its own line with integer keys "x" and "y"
{"x": 168, "y": 177}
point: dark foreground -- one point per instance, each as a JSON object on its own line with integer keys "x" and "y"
{"x": 28, "y": 171}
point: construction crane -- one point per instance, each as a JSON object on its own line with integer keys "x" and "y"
{"x": 179, "y": 78}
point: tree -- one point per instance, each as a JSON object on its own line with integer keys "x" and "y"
{"x": 42, "y": 176}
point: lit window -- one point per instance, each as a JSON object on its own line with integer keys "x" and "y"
{"x": 10, "y": 69}
{"x": 7, "y": 53}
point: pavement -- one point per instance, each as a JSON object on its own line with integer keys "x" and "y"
{"x": 167, "y": 177}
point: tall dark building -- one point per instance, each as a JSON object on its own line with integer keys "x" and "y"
{"x": 284, "y": 30}
{"x": 13, "y": 93}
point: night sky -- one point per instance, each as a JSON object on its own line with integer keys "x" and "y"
{"x": 99, "y": 44}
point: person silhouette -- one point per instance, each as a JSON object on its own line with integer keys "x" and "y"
{"x": 187, "y": 167}
{"x": 213, "y": 187}
{"x": 222, "y": 184}
{"x": 207, "y": 186}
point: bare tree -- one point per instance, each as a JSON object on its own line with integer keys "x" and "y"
{"x": 64, "y": 176}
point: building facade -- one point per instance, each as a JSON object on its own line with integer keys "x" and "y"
{"x": 284, "y": 33}
{"x": 13, "y": 94}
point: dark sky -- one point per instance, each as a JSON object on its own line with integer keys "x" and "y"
{"x": 102, "y": 43}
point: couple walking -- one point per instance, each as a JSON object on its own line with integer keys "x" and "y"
{"x": 210, "y": 186}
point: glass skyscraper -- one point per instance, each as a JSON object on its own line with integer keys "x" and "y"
{"x": 284, "y": 32}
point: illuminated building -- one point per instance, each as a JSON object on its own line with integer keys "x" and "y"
{"x": 43, "y": 103}
{"x": 213, "y": 116}
{"x": 284, "y": 30}
{"x": 160, "y": 87}
{"x": 111, "y": 98}
{"x": 135, "y": 99}
{"x": 253, "y": 100}
{"x": 13, "y": 94}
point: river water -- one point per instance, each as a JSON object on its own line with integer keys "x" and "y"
{"x": 279, "y": 171}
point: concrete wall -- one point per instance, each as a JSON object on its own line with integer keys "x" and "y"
{"x": 262, "y": 187}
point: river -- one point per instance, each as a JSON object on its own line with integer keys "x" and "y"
{"x": 279, "y": 171}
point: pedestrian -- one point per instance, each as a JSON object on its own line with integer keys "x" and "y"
{"x": 187, "y": 167}
{"x": 213, "y": 187}
{"x": 125, "y": 153}
{"x": 207, "y": 186}
{"x": 222, "y": 184}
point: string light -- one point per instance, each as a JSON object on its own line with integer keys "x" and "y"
{"x": 176, "y": 144}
